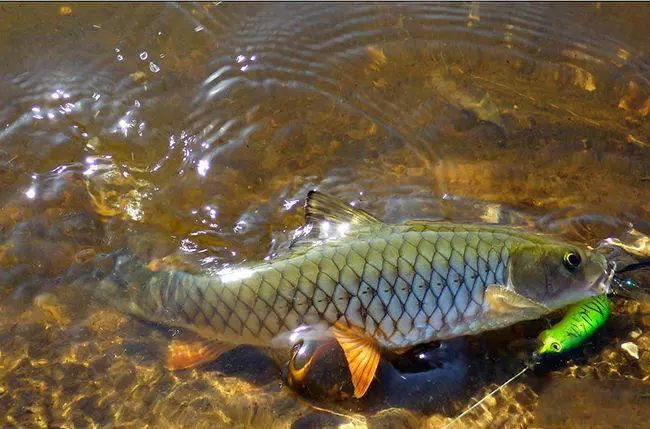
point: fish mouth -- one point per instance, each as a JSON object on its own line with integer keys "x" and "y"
{"x": 604, "y": 280}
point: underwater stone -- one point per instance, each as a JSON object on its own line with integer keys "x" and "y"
{"x": 631, "y": 348}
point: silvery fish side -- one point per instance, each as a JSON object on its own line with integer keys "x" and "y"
{"x": 392, "y": 286}
{"x": 403, "y": 285}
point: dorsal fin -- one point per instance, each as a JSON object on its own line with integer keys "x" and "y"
{"x": 323, "y": 207}
{"x": 435, "y": 222}
{"x": 327, "y": 218}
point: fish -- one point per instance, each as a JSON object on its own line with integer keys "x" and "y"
{"x": 580, "y": 322}
{"x": 371, "y": 286}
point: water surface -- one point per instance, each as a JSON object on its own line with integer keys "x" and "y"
{"x": 196, "y": 129}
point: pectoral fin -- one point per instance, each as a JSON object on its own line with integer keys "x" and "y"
{"x": 505, "y": 302}
{"x": 362, "y": 354}
{"x": 188, "y": 354}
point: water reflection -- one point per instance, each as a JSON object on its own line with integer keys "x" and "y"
{"x": 195, "y": 130}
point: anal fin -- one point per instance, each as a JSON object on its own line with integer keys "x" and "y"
{"x": 362, "y": 354}
{"x": 188, "y": 354}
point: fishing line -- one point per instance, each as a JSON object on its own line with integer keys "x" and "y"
{"x": 633, "y": 267}
{"x": 485, "y": 397}
{"x": 617, "y": 281}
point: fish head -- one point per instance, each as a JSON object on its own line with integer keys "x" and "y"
{"x": 557, "y": 274}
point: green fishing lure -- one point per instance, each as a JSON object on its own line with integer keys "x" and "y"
{"x": 580, "y": 322}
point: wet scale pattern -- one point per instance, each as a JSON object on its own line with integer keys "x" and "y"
{"x": 409, "y": 277}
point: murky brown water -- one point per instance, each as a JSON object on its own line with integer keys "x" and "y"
{"x": 197, "y": 129}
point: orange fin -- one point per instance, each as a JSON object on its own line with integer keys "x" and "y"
{"x": 188, "y": 354}
{"x": 362, "y": 354}
{"x": 401, "y": 350}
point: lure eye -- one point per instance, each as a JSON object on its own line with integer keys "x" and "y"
{"x": 556, "y": 347}
{"x": 572, "y": 260}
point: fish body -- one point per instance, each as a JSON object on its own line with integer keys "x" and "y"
{"x": 373, "y": 285}
{"x": 401, "y": 284}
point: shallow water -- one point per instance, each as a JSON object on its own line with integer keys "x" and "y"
{"x": 195, "y": 130}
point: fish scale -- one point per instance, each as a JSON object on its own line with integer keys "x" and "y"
{"x": 399, "y": 283}
{"x": 367, "y": 283}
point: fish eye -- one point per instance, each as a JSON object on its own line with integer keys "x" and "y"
{"x": 572, "y": 260}
{"x": 556, "y": 346}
